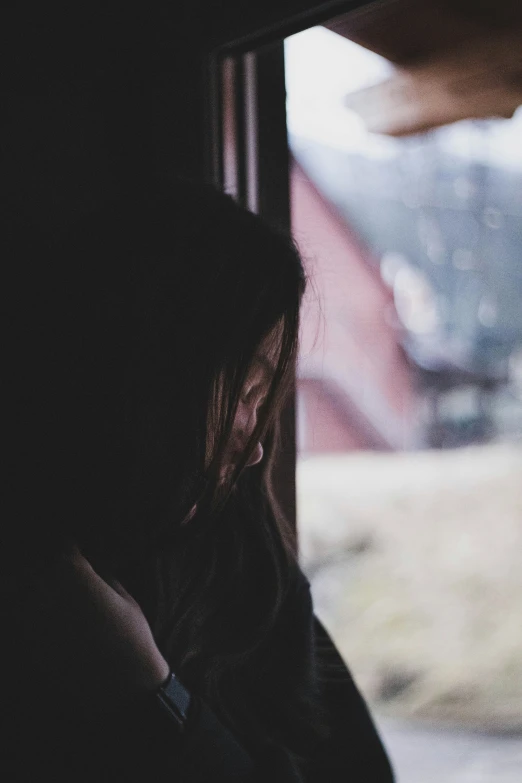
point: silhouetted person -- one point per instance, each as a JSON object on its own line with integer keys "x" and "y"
{"x": 156, "y": 623}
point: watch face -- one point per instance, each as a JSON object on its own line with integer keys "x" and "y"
{"x": 175, "y": 699}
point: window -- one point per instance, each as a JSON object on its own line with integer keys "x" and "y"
{"x": 409, "y": 409}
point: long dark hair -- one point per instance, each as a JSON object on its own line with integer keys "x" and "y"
{"x": 137, "y": 312}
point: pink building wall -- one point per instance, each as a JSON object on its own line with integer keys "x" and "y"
{"x": 323, "y": 424}
{"x": 354, "y": 384}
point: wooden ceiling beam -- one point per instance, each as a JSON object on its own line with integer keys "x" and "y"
{"x": 409, "y": 32}
{"x": 482, "y": 78}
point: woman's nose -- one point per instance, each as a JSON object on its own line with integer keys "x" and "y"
{"x": 246, "y": 424}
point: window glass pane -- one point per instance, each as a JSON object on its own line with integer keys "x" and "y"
{"x": 409, "y": 398}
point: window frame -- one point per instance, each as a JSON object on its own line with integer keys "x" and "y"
{"x": 247, "y": 152}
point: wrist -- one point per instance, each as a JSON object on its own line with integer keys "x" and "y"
{"x": 158, "y": 676}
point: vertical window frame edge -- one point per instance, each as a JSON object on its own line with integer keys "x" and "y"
{"x": 251, "y": 76}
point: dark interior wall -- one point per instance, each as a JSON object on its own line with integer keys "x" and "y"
{"x": 92, "y": 100}
{"x": 91, "y": 96}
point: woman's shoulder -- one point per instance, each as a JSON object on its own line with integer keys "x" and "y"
{"x": 291, "y": 639}
{"x": 299, "y": 582}
{"x": 298, "y": 598}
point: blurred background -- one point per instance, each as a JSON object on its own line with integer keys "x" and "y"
{"x": 409, "y": 390}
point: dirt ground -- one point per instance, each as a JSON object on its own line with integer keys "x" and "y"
{"x": 415, "y": 566}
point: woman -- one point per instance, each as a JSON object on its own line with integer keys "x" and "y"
{"x": 159, "y": 626}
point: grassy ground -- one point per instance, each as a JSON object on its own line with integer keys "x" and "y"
{"x": 415, "y": 562}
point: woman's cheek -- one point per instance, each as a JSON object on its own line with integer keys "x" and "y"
{"x": 245, "y": 420}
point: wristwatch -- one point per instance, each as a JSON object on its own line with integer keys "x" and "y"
{"x": 175, "y": 699}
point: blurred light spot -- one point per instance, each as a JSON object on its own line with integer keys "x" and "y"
{"x": 492, "y": 217}
{"x": 464, "y": 188}
{"x": 515, "y": 370}
{"x": 487, "y": 312}
{"x": 463, "y": 259}
{"x": 431, "y": 236}
{"x": 415, "y": 301}
{"x": 390, "y": 264}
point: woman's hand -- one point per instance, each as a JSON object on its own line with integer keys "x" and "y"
{"x": 91, "y": 640}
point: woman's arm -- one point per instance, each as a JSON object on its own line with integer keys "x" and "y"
{"x": 98, "y": 665}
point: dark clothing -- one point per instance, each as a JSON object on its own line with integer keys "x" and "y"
{"x": 354, "y": 750}
{"x": 143, "y": 745}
